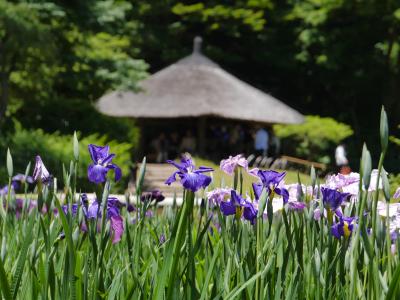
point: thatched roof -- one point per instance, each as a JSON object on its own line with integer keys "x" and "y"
{"x": 196, "y": 86}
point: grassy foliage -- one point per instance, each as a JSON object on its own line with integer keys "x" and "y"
{"x": 56, "y": 151}
{"x": 293, "y": 256}
{"x": 285, "y": 255}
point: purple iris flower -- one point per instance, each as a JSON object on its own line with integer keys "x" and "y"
{"x": 4, "y": 190}
{"x": 344, "y": 227}
{"x": 238, "y": 205}
{"x": 113, "y": 207}
{"x": 394, "y": 235}
{"x": 117, "y": 226}
{"x": 332, "y": 198}
{"x": 102, "y": 163}
{"x": 84, "y": 203}
{"x": 296, "y": 205}
{"x": 153, "y": 195}
{"x": 235, "y": 203}
{"x": 317, "y": 214}
{"x": 271, "y": 180}
{"x": 74, "y": 209}
{"x": 19, "y": 205}
{"x": 113, "y": 214}
{"x": 20, "y": 178}
{"x": 93, "y": 210}
{"x": 250, "y": 212}
{"x": 162, "y": 239}
{"x": 191, "y": 178}
{"x": 40, "y": 172}
{"x": 130, "y": 208}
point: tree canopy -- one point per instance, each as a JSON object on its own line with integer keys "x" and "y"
{"x": 331, "y": 58}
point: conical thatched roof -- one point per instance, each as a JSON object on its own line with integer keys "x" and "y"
{"x": 196, "y": 86}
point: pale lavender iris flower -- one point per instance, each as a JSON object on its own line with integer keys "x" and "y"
{"x": 350, "y": 183}
{"x": 215, "y": 197}
{"x": 230, "y": 164}
{"x": 40, "y": 172}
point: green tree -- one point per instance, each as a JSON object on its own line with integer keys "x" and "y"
{"x": 25, "y": 42}
{"x": 60, "y": 56}
{"x": 315, "y": 137}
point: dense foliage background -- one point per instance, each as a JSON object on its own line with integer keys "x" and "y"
{"x": 333, "y": 58}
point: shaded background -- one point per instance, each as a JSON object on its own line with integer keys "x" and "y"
{"x": 329, "y": 58}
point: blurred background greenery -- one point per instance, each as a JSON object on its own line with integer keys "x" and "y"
{"x": 334, "y": 59}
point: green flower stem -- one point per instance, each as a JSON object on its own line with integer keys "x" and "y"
{"x": 356, "y": 241}
{"x": 104, "y": 239}
{"x": 376, "y": 196}
{"x": 388, "y": 245}
{"x": 258, "y": 254}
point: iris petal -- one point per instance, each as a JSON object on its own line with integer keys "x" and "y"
{"x": 117, "y": 226}
{"x": 204, "y": 169}
{"x": 178, "y": 166}
{"x": 172, "y": 178}
{"x": 194, "y": 181}
{"x": 250, "y": 212}
{"x": 236, "y": 199}
{"x": 98, "y": 152}
{"x": 257, "y": 189}
{"x": 296, "y": 205}
{"x": 333, "y": 198}
{"x": 284, "y": 193}
{"x": 270, "y": 177}
{"x": 97, "y": 173}
{"x": 117, "y": 171}
{"x": 40, "y": 172}
{"x": 227, "y": 208}
{"x": 107, "y": 159}
{"x": 336, "y": 230}
{"x": 93, "y": 211}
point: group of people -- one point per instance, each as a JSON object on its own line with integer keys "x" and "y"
{"x": 219, "y": 141}
{"x": 170, "y": 146}
{"x": 223, "y": 139}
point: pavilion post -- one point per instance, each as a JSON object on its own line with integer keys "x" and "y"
{"x": 140, "y": 150}
{"x": 201, "y": 135}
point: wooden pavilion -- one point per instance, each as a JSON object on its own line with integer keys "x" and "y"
{"x": 195, "y": 91}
